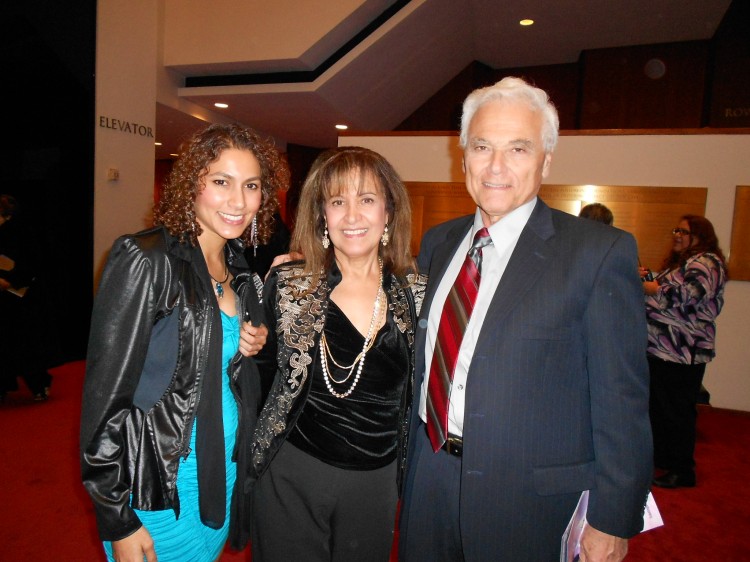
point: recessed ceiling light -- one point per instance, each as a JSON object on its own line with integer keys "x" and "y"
{"x": 342, "y": 127}
{"x": 526, "y": 22}
{"x": 157, "y": 143}
{"x": 221, "y": 105}
{"x": 173, "y": 154}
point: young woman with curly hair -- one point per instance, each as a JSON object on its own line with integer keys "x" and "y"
{"x": 171, "y": 392}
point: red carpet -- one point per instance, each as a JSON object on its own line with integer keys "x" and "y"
{"x": 46, "y": 514}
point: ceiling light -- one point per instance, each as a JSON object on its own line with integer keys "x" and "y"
{"x": 342, "y": 127}
{"x": 157, "y": 143}
{"x": 526, "y": 22}
{"x": 221, "y": 105}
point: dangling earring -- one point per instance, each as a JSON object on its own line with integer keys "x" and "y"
{"x": 254, "y": 235}
{"x": 385, "y": 238}
{"x": 326, "y": 241}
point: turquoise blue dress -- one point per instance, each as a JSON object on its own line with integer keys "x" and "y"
{"x": 186, "y": 539}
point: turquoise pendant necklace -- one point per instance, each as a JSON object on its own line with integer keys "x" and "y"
{"x": 219, "y": 288}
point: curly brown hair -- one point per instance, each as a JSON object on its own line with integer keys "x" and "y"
{"x": 176, "y": 207}
{"x": 329, "y": 175}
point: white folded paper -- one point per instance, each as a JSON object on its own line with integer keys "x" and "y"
{"x": 570, "y": 549}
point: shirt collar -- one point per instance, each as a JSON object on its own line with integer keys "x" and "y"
{"x": 510, "y": 225}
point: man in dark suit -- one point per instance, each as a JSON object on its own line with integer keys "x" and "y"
{"x": 543, "y": 367}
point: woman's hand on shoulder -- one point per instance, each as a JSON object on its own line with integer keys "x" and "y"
{"x": 135, "y": 547}
{"x": 252, "y": 338}
{"x": 283, "y": 258}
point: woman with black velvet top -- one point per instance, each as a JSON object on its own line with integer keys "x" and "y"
{"x": 330, "y": 442}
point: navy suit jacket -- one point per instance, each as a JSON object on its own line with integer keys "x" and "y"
{"x": 557, "y": 391}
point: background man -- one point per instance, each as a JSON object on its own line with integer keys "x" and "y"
{"x": 597, "y": 212}
{"x": 549, "y": 395}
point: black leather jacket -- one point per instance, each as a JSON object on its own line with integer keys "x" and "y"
{"x": 152, "y": 330}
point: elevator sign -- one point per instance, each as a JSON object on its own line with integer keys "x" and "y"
{"x": 127, "y": 127}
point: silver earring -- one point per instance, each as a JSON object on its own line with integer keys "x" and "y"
{"x": 386, "y": 237}
{"x": 326, "y": 241}
{"x": 254, "y": 235}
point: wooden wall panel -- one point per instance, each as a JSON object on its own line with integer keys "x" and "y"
{"x": 617, "y": 93}
{"x": 442, "y": 112}
{"x": 649, "y": 213}
{"x": 739, "y": 251}
{"x": 433, "y": 203}
{"x": 704, "y": 83}
{"x": 730, "y": 85}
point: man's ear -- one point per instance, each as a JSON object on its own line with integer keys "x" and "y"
{"x": 546, "y": 164}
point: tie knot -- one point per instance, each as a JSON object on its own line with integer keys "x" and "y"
{"x": 481, "y": 239}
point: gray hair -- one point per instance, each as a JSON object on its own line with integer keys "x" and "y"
{"x": 514, "y": 90}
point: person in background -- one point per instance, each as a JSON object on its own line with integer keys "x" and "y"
{"x": 533, "y": 386}
{"x": 329, "y": 447}
{"x": 170, "y": 395}
{"x": 597, "y": 212}
{"x": 22, "y": 354}
{"x": 682, "y": 303}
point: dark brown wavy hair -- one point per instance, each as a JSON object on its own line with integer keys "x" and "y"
{"x": 597, "y": 212}
{"x": 331, "y": 174}
{"x": 176, "y": 207}
{"x": 701, "y": 230}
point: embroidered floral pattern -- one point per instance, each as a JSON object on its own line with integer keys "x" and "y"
{"x": 399, "y": 306}
{"x": 301, "y": 317}
{"x": 301, "y": 313}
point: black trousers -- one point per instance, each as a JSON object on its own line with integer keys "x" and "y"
{"x": 23, "y": 347}
{"x": 675, "y": 388}
{"x": 305, "y": 509}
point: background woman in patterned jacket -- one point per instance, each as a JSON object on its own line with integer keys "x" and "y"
{"x": 330, "y": 440}
{"x": 682, "y": 304}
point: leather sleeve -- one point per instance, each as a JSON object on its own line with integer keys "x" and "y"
{"x": 122, "y": 319}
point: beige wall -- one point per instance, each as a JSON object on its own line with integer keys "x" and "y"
{"x": 130, "y": 80}
{"x": 125, "y": 90}
{"x": 718, "y": 162}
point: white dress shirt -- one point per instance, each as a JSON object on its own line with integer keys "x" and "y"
{"x": 495, "y": 258}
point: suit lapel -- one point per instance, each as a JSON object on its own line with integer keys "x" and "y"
{"x": 441, "y": 258}
{"x": 527, "y": 262}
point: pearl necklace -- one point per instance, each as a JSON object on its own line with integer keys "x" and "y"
{"x": 359, "y": 361}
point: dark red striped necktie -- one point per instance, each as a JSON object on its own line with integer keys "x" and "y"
{"x": 453, "y": 320}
